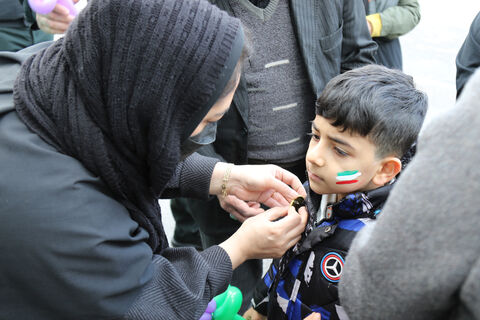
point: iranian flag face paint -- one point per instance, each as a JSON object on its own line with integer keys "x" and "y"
{"x": 348, "y": 177}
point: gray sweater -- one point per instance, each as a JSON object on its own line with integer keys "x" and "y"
{"x": 421, "y": 260}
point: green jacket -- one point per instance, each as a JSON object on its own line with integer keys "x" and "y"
{"x": 398, "y": 16}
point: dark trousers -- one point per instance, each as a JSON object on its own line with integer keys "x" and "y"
{"x": 205, "y": 222}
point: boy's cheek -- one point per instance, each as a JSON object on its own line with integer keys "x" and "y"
{"x": 321, "y": 186}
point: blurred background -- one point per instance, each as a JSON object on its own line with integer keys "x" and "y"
{"x": 430, "y": 49}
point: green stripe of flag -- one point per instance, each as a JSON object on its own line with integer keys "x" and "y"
{"x": 347, "y": 173}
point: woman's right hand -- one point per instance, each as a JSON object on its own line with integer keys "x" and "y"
{"x": 267, "y": 235}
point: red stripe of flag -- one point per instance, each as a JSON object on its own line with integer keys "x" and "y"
{"x": 346, "y": 182}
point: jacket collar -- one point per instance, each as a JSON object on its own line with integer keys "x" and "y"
{"x": 353, "y": 206}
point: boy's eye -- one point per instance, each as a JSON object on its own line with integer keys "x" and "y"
{"x": 340, "y": 152}
{"x": 314, "y": 136}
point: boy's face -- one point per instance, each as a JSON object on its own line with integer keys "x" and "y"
{"x": 338, "y": 162}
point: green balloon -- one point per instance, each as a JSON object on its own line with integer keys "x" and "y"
{"x": 230, "y": 303}
{"x": 221, "y": 298}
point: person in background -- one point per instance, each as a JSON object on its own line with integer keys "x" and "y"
{"x": 21, "y": 27}
{"x": 18, "y": 27}
{"x": 421, "y": 260}
{"x": 57, "y": 21}
{"x": 96, "y": 127}
{"x": 388, "y": 20}
{"x": 298, "y": 46}
{"x": 468, "y": 57}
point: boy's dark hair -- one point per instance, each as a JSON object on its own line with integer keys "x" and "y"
{"x": 378, "y": 103}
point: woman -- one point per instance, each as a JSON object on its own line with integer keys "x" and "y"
{"x": 100, "y": 122}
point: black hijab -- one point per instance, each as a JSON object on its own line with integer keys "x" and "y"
{"x": 125, "y": 87}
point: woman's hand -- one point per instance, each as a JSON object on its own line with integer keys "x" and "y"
{"x": 267, "y": 184}
{"x": 251, "y": 314}
{"x": 239, "y": 209}
{"x": 267, "y": 235}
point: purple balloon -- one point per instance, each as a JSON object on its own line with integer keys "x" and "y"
{"x": 206, "y": 316}
{"x": 46, "y": 6}
{"x": 212, "y": 306}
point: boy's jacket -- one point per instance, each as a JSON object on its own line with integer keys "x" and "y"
{"x": 305, "y": 279}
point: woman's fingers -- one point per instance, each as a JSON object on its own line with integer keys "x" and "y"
{"x": 276, "y": 213}
{"x": 287, "y": 227}
{"x": 293, "y": 225}
{"x": 273, "y": 199}
{"x": 240, "y": 209}
{"x": 253, "y": 204}
{"x": 283, "y": 189}
{"x": 291, "y": 180}
{"x": 299, "y": 227}
{"x": 293, "y": 220}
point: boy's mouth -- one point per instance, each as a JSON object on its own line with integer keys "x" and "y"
{"x": 314, "y": 177}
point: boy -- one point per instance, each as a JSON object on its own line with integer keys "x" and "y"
{"x": 367, "y": 121}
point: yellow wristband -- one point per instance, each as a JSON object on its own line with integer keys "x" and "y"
{"x": 376, "y": 22}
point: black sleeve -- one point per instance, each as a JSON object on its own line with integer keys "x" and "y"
{"x": 468, "y": 58}
{"x": 191, "y": 178}
{"x": 358, "y": 47}
{"x": 71, "y": 251}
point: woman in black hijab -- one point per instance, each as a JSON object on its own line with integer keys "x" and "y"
{"x": 98, "y": 128}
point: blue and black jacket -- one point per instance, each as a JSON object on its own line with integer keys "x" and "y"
{"x": 305, "y": 279}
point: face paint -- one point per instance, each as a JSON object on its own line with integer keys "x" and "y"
{"x": 348, "y": 177}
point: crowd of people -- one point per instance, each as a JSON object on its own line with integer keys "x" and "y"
{"x": 232, "y": 108}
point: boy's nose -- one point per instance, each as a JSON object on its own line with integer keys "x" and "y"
{"x": 315, "y": 156}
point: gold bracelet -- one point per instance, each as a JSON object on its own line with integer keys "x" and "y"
{"x": 226, "y": 176}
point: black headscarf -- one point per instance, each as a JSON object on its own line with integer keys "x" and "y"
{"x": 125, "y": 87}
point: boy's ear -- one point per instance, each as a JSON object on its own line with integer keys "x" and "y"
{"x": 389, "y": 168}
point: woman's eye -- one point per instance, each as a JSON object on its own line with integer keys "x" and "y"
{"x": 340, "y": 152}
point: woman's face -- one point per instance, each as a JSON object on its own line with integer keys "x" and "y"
{"x": 216, "y": 112}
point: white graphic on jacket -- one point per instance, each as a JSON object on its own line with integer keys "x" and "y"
{"x": 307, "y": 275}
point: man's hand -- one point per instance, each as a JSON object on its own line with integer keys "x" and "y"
{"x": 369, "y": 25}
{"x": 57, "y": 21}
